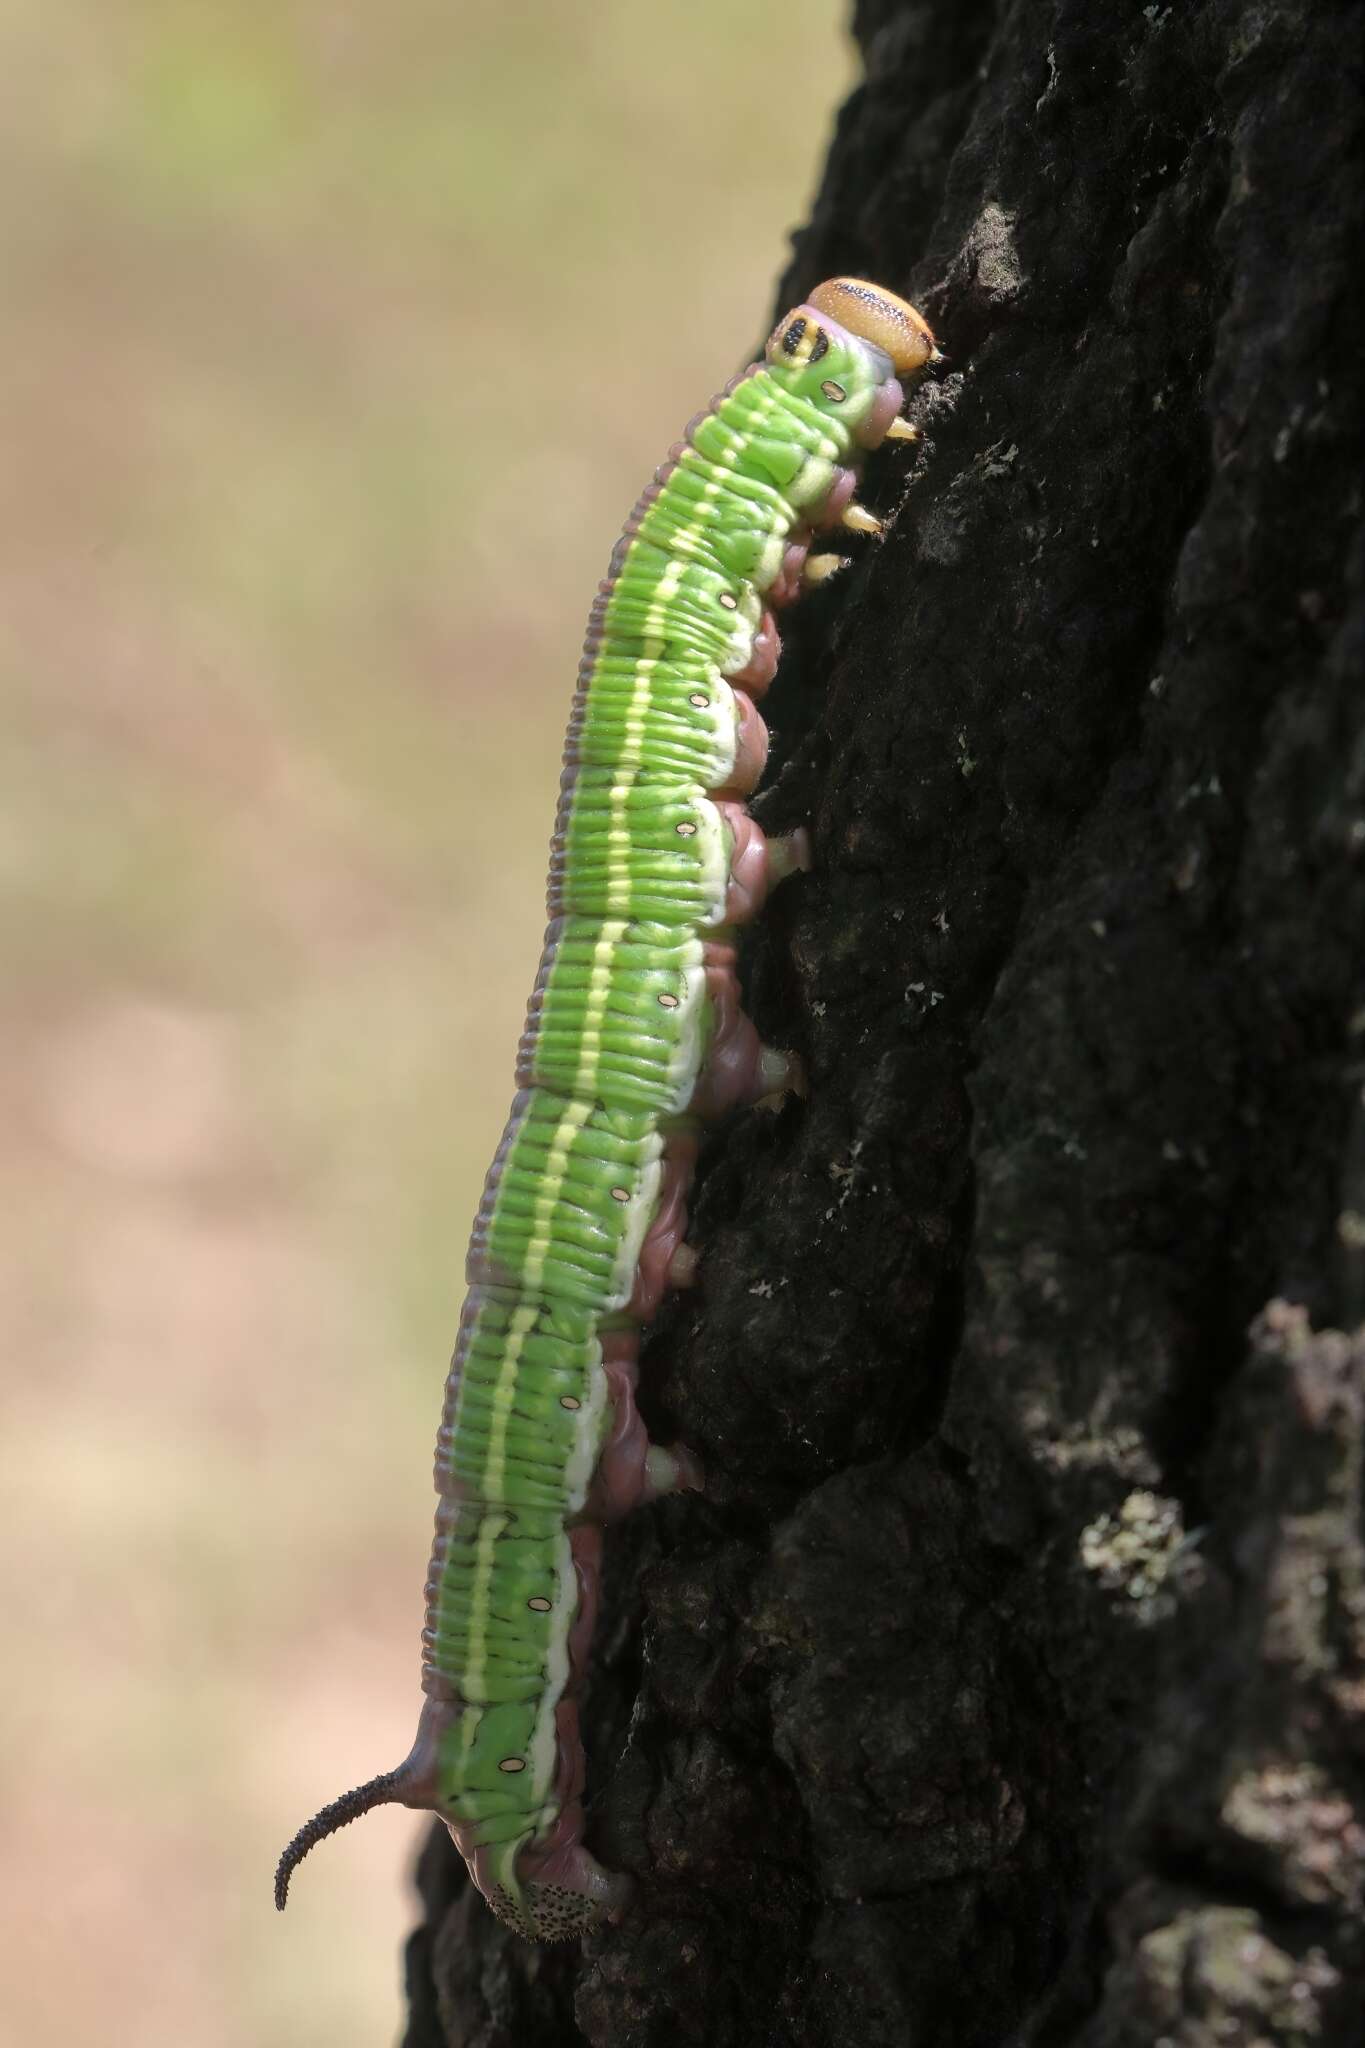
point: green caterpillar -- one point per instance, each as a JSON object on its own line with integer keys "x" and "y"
{"x": 634, "y": 1036}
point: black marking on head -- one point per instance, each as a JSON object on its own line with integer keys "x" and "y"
{"x": 820, "y": 346}
{"x": 791, "y": 340}
{"x": 835, "y": 393}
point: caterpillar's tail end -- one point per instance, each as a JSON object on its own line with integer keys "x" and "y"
{"x": 558, "y": 1912}
{"x": 557, "y": 1893}
{"x": 547, "y": 1912}
{"x": 381, "y": 1791}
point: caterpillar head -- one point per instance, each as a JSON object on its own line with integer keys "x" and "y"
{"x": 891, "y": 324}
{"x": 864, "y": 311}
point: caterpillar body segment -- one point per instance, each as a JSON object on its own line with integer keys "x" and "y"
{"x": 634, "y": 1036}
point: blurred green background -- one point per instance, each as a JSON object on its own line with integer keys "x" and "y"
{"x": 337, "y": 342}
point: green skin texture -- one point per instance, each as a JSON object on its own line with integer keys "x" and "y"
{"x": 615, "y": 1043}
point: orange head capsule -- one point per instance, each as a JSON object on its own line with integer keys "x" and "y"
{"x": 880, "y": 317}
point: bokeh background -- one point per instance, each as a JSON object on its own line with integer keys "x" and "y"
{"x": 336, "y": 342}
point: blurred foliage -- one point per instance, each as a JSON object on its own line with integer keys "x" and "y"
{"x": 338, "y": 342}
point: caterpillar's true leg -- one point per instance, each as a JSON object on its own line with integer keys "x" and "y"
{"x": 801, "y": 570}
{"x": 837, "y": 508}
{"x": 858, "y": 519}
{"x": 819, "y": 568}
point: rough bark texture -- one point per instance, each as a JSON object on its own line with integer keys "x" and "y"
{"x": 1008, "y": 1683}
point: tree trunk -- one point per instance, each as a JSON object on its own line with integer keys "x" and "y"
{"x": 1008, "y": 1682}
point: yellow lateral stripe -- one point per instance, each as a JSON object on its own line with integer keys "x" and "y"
{"x": 504, "y": 1393}
{"x": 618, "y": 840}
{"x": 575, "y": 1116}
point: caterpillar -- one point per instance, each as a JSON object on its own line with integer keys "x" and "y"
{"x": 634, "y": 1037}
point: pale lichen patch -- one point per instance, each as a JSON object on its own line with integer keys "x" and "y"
{"x": 1132, "y": 1552}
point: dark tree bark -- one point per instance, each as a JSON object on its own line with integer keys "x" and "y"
{"x": 1008, "y": 1682}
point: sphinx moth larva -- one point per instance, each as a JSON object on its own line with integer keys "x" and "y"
{"x": 634, "y": 1036}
